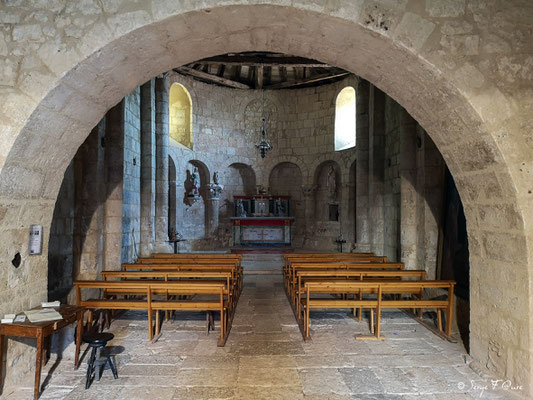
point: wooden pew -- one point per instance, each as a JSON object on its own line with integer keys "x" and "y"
{"x": 178, "y": 266}
{"x": 309, "y": 275}
{"x": 208, "y": 275}
{"x": 331, "y": 258}
{"x": 149, "y": 288}
{"x": 205, "y": 259}
{"x": 192, "y": 257}
{"x": 290, "y": 281}
{"x": 379, "y": 288}
{"x": 197, "y": 255}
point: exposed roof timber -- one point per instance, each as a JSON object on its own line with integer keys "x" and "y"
{"x": 270, "y": 59}
{"x": 221, "y": 69}
{"x": 272, "y": 64}
{"x": 259, "y": 72}
{"x": 312, "y": 79}
{"x": 283, "y": 73}
{"x": 210, "y": 77}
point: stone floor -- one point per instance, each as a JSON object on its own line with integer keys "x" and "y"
{"x": 266, "y": 358}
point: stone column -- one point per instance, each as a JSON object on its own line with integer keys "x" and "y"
{"x": 90, "y": 191}
{"x": 434, "y": 167}
{"x": 148, "y": 155}
{"x": 376, "y": 176}
{"x": 114, "y": 163}
{"x": 161, "y": 173}
{"x": 211, "y": 208}
{"x": 362, "y": 223}
{"x": 408, "y": 191}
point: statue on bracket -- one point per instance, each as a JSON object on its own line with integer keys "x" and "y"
{"x": 194, "y": 186}
{"x": 215, "y": 188}
{"x": 332, "y": 183}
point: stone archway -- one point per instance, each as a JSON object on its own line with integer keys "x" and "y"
{"x": 478, "y": 123}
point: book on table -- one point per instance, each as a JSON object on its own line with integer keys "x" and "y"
{"x": 48, "y": 314}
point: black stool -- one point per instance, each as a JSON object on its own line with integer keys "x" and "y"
{"x": 98, "y": 341}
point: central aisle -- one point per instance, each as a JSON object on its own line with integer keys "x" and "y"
{"x": 266, "y": 358}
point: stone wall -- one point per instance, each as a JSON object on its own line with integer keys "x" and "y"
{"x": 131, "y": 192}
{"x": 61, "y": 242}
{"x": 392, "y": 181}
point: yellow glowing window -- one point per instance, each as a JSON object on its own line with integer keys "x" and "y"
{"x": 180, "y": 115}
{"x": 345, "y": 119}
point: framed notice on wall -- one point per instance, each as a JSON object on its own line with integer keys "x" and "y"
{"x": 35, "y": 245}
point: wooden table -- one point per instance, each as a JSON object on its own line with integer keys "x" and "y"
{"x": 40, "y": 331}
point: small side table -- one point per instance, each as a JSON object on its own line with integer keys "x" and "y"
{"x": 176, "y": 243}
{"x": 40, "y": 331}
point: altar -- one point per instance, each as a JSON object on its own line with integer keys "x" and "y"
{"x": 262, "y": 220}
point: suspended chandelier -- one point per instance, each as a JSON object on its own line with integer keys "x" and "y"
{"x": 263, "y": 145}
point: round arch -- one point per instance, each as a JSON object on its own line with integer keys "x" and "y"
{"x": 475, "y": 126}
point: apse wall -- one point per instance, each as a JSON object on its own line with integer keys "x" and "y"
{"x": 226, "y": 126}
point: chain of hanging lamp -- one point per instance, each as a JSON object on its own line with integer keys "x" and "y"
{"x": 263, "y": 146}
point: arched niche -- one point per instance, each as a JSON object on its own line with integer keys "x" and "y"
{"x": 192, "y": 220}
{"x": 180, "y": 115}
{"x": 286, "y": 180}
{"x": 328, "y": 213}
{"x": 238, "y": 179}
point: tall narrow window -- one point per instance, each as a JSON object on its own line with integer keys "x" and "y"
{"x": 345, "y": 119}
{"x": 180, "y": 115}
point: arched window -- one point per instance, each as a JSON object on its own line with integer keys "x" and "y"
{"x": 180, "y": 115}
{"x": 345, "y": 119}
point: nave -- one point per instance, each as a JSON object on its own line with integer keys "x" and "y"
{"x": 266, "y": 358}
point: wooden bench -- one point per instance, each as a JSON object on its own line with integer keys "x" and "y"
{"x": 192, "y": 257}
{"x": 379, "y": 288}
{"x": 333, "y": 258}
{"x": 197, "y": 255}
{"x": 290, "y": 280}
{"x": 235, "y": 259}
{"x": 306, "y": 275}
{"x": 207, "y": 275}
{"x": 150, "y": 288}
{"x": 178, "y": 266}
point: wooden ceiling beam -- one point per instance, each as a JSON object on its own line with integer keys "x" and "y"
{"x": 259, "y": 78}
{"x": 297, "y": 82}
{"x": 273, "y": 63}
{"x": 283, "y": 73}
{"x": 210, "y": 77}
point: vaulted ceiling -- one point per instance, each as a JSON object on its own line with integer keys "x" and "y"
{"x": 262, "y": 70}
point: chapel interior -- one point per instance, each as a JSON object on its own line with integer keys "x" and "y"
{"x": 353, "y": 163}
{"x": 266, "y": 155}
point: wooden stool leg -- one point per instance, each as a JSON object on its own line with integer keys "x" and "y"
{"x": 371, "y": 320}
{"x": 90, "y": 368}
